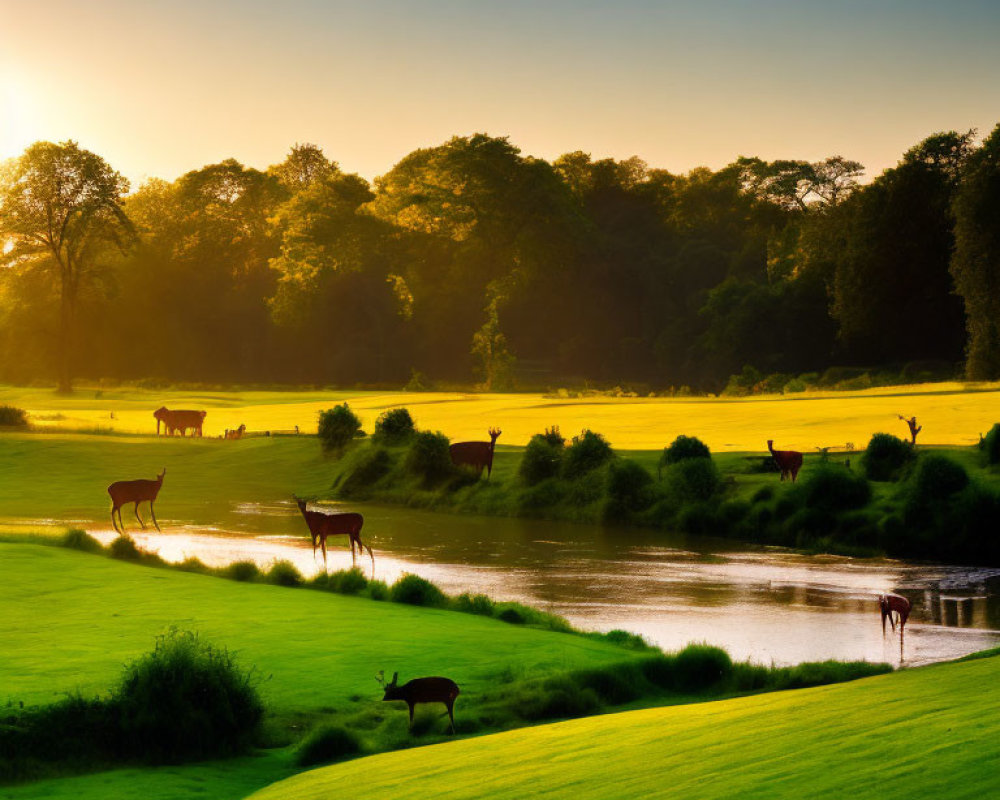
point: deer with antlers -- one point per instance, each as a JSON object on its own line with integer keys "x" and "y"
{"x": 323, "y": 525}
{"x": 140, "y": 491}
{"x": 911, "y": 423}
{"x": 894, "y": 603}
{"x": 477, "y": 455}
{"x": 422, "y": 690}
{"x": 788, "y": 461}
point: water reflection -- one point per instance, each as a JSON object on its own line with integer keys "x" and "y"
{"x": 765, "y": 603}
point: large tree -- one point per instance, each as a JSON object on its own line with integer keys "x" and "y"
{"x": 975, "y": 264}
{"x": 59, "y": 205}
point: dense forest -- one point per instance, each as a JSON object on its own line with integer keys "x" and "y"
{"x": 471, "y": 262}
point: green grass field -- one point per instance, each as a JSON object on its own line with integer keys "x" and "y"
{"x": 926, "y": 733}
{"x": 951, "y": 413}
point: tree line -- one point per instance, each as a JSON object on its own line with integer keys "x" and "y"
{"x": 471, "y": 262}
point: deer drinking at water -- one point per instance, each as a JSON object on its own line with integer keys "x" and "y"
{"x": 422, "y": 690}
{"x": 889, "y": 603}
{"x": 788, "y": 461}
{"x": 140, "y": 491}
{"x": 476, "y": 454}
{"x": 343, "y": 524}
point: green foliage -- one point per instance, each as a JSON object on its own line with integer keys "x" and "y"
{"x": 348, "y": 581}
{"x": 627, "y": 488}
{"x": 991, "y": 445}
{"x": 337, "y": 427}
{"x": 326, "y": 744}
{"x": 936, "y": 477}
{"x": 283, "y": 573}
{"x": 474, "y": 604}
{"x": 429, "y": 458}
{"x": 588, "y": 452}
{"x": 125, "y": 548}
{"x": 416, "y": 591}
{"x": 245, "y": 571}
{"x": 81, "y": 540}
{"x": 885, "y": 457}
{"x": 393, "y": 427}
{"x": 693, "y": 480}
{"x": 834, "y": 488}
{"x": 186, "y": 700}
{"x": 542, "y": 457}
{"x": 378, "y": 590}
{"x": 699, "y": 666}
{"x": 364, "y": 468}
{"x": 684, "y": 447}
{"x": 12, "y": 417}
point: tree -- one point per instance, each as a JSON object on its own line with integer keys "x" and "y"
{"x": 304, "y": 165}
{"x": 60, "y": 204}
{"x": 975, "y": 264}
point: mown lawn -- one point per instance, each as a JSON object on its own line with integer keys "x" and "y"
{"x": 932, "y": 732}
{"x": 951, "y": 413}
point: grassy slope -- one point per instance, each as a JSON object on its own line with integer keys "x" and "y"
{"x": 932, "y": 732}
{"x": 950, "y": 413}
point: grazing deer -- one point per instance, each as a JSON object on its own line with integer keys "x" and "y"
{"x": 179, "y": 420}
{"x": 911, "y": 423}
{"x": 343, "y": 524}
{"x": 237, "y": 433}
{"x": 788, "y": 461}
{"x": 124, "y": 492}
{"x": 887, "y": 604}
{"x": 422, "y": 690}
{"x": 476, "y": 454}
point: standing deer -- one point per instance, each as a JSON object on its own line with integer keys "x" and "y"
{"x": 124, "y": 492}
{"x": 476, "y": 454}
{"x": 788, "y": 461}
{"x": 911, "y": 423}
{"x": 887, "y": 604}
{"x": 343, "y": 524}
{"x": 422, "y": 690}
{"x": 179, "y": 420}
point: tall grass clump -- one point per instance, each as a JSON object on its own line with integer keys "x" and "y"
{"x": 337, "y": 427}
{"x": 991, "y": 445}
{"x": 284, "y": 573}
{"x": 416, "y": 591}
{"x": 125, "y": 548}
{"x": 365, "y": 467}
{"x": 542, "y": 457}
{"x": 886, "y": 457}
{"x": 13, "y": 417}
{"x": 244, "y": 571}
{"x": 428, "y": 457}
{"x": 394, "y": 427}
{"x": 81, "y": 540}
{"x": 587, "y": 452}
{"x": 326, "y": 744}
{"x": 185, "y": 700}
{"x": 699, "y": 666}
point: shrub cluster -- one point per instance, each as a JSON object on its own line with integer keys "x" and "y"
{"x": 337, "y": 427}
{"x": 394, "y": 427}
{"x": 587, "y": 452}
{"x": 13, "y": 417}
{"x": 886, "y": 457}
{"x": 429, "y": 458}
{"x": 326, "y": 744}
{"x": 543, "y": 457}
{"x": 991, "y": 445}
{"x": 682, "y": 448}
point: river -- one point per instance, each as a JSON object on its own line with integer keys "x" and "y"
{"x": 764, "y": 604}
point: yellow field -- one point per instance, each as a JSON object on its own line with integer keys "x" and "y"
{"x": 951, "y": 413}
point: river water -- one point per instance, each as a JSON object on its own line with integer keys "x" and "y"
{"x": 764, "y": 604}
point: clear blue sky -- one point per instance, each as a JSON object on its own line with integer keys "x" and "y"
{"x": 161, "y": 88}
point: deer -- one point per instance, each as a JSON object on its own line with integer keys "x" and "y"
{"x": 124, "y": 492}
{"x": 476, "y": 454}
{"x": 788, "y": 461}
{"x": 236, "y": 433}
{"x": 422, "y": 690}
{"x": 887, "y": 604}
{"x": 911, "y": 423}
{"x": 323, "y": 525}
{"x": 179, "y": 420}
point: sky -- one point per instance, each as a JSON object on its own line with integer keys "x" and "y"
{"x": 160, "y": 88}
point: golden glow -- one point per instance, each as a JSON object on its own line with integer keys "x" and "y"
{"x": 18, "y": 126}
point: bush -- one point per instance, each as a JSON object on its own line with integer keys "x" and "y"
{"x": 588, "y": 451}
{"x": 416, "y": 591}
{"x": 628, "y": 486}
{"x": 835, "y": 488}
{"x": 683, "y": 448}
{"x": 11, "y": 417}
{"x": 429, "y": 458}
{"x": 242, "y": 571}
{"x": 699, "y": 666}
{"x": 546, "y": 494}
{"x": 991, "y": 445}
{"x": 936, "y": 477}
{"x": 368, "y": 465}
{"x": 794, "y": 386}
{"x": 542, "y": 459}
{"x": 394, "y": 426}
{"x": 81, "y": 540}
{"x": 559, "y": 698}
{"x": 694, "y": 480}
{"x": 283, "y": 573}
{"x": 325, "y": 744}
{"x": 348, "y": 581}
{"x": 474, "y": 604}
{"x": 885, "y": 457}
{"x": 125, "y": 548}
{"x": 378, "y": 590}
{"x": 186, "y": 699}
{"x": 337, "y": 427}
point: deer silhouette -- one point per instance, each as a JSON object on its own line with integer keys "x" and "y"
{"x": 788, "y": 461}
{"x": 476, "y": 454}
{"x": 323, "y": 525}
{"x": 422, "y": 690}
{"x": 889, "y": 603}
{"x": 236, "y": 433}
{"x": 124, "y": 492}
{"x": 911, "y": 423}
{"x": 179, "y": 420}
